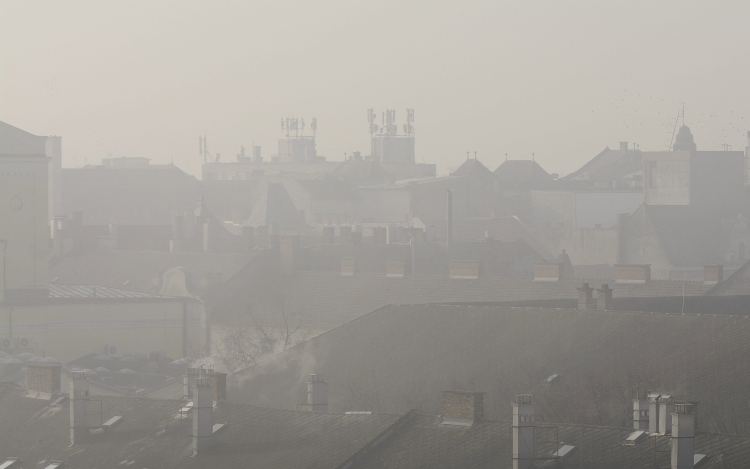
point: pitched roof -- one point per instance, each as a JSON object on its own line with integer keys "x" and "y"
{"x": 473, "y": 167}
{"x": 327, "y": 299}
{"x": 275, "y": 208}
{"x": 143, "y": 271}
{"x": 736, "y": 284}
{"x": 17, "y": 142}
{"x": 152, "y": 435}
{"x": 402, "y": 357}
{"x": 521, "y": 171}
{"x": 426, "y": 443}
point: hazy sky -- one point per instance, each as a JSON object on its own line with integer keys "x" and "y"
{"x": 560, "y": 79}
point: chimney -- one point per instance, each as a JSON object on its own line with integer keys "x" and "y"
{"x": 523, "y": 432}
{"x": 632, "y": 273}
{"x": 548, "y": 272}
{"x": 586, "y": 297}
{"x": 640, "y": 413}
{"x": 42, "y": 379}
{"x": 218, "y": 382}
{"x": 683, "y": 436}
{"x": 624, "y": 146}
{"x": 188, "y": 381}
{"x": 329, "y": 235}
{"x": 348, "y": 266}
{"x": 653, "y": 412}
{"x": 203, "y": 414}
{"x": 79, "y": 406}
{"x": 462, "y": 407}
{"x": 207, "y": 235}
{"x": 317, "y": 394}
{"x": 380, "y": 235}
{"x": 604, "y": 298}
{"x": 666, "y": 407}
{"x": 449, "y": 217}
{"x": 713, "y": 274}
{"x": 464, "y": 269}
{"x": 395, "y": 267}
{"x": 288, "y": 252}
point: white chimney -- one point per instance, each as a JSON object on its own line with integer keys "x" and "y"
{"x": 523, "y": 432}
{"x": 203, "y": 414}
{"x": 188, "y": 381}
{"x": 666, "y": 407}
{"x": 640, "y": 414}
{"x": 317, "y": 394}
{"x": 653, "y": 413}
{"x": 79, "y": 402}
{"x": 683, "y": 436}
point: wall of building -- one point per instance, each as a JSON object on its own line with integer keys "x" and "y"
{"x": 385, "y": 205}
{"x": 68, "y": 331}
{"x": 602, "y": 207}
{"x": 667, "y": 178}
{"x": 584, "y": 246}
{"x": 23, "y": 221}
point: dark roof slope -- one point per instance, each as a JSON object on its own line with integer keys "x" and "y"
{"x": 17, "y": 142}
{"x": 328, "y": 299}
{"x": 402, "y": 357}
{"x": 275, "y": 208}
{"x": 521, "y": 171}
{"x": 151, "y": 435}
{"x": 609, "y": 164}
{"x": 737, "y": 284}
{"x": 473, "y": 167}
{"x": 426, "y": 443}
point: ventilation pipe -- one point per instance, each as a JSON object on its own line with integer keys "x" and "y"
{"x": 653, "y": 413}
{"x": 666, "y": 407}
{"x": 683, "y": 436}
{"x": 523, "y": 432}
{"x": 79, "y": 402}
{"x": 203, "y": 414}
{"x": 640, "y": 414}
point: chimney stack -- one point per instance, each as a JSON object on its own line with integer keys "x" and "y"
{"x": 586, "y": 297}
{"x": 79, "y": 403}
{"x": 653, "y": 412}
{"x": 203, "y": 414}
{"x": 683, "y": 436}
{"x": 462, "y": 408}
{"x": 42, "y": 379}
{"x": 317, "y": 394}
{"x": 640, "y": 413}
{"x": 523, "y": 432}
{"x": 604, "y": 298}
{"x": 666, "y": 407}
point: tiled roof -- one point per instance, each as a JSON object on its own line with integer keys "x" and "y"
{"x": 151, "y": 436}
{"x": 737, "y": 284}
{"x": 328, "y": 299}
{"x": 94, "y": 291}
{"x": 426, "y": 443}
{"x": 402, "y": 357}
{"x": 142, "y": 271}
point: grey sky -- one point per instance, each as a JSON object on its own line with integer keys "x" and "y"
{"x": 560, "y": 79}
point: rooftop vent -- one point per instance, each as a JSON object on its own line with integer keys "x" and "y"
{"x": 564, "y": 451}
{"x": 635, "y": 437}
{"x": 55, "y": 465}
{"x": 317, "y": 395}
{"x": 11, "y": 463}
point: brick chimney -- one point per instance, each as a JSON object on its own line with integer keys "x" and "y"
{"x": 464, "y": 269}
{"x": 586, "y": 297}
{"x": 462, "y": 407}
{"x": 523, "y": 432}
{"x": 42, "y": 379}
{"x": 395, "y": 267}
{"x": 713, "y": 274}
{"x": 548, "y": 272}
{"x": 203, "y": 414}
{"x": 632, "y": 273}
{"x": 683, "y": 436}
{"x": 604, "y": 298}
